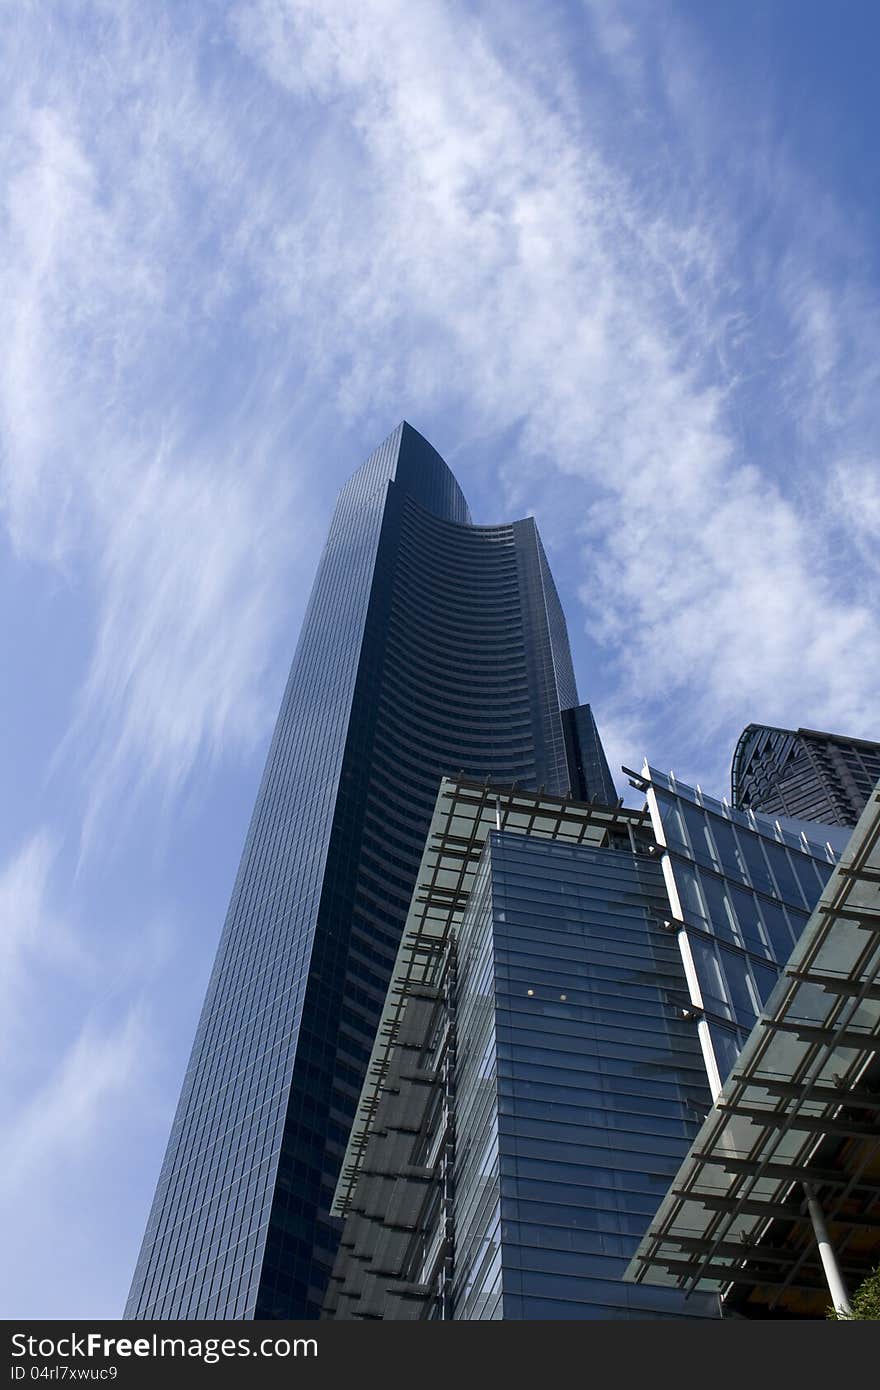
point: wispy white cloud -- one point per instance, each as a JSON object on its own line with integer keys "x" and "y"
{"x": 58, "y": 960}
{"x": 190, "y": 573}
{"x": 137, "y": 455}
{"x": 79, "y": 1077}
{"x": 617, "y": 324}
{"x": 62, "y": 1122}
{"x": 377, "y": 210}
{"x": 70, "y": 1171}
{"x": 36, "y": 940}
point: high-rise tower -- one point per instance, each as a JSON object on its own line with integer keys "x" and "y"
{"x": 429, "y": 646}
{"x": 804, "y": 774}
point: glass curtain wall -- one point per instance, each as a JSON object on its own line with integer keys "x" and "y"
{"x": 741, "y": 890}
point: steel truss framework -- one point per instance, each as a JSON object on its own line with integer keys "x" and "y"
{"x": 801, "y": 1107}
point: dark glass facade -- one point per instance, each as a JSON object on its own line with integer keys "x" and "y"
{"x": 574, "y": 983}
{"x": 429, "y": 646}
{"x": 804, "y": 774}
{"x": 600, "y": 1083}
{"x": 591, "y": 778}
{"x": 535, "y": 1084}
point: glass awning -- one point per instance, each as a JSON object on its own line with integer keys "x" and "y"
{"x": 801, "y": 1106}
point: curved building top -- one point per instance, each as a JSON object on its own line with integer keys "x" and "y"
{"x": 407, "y": 458}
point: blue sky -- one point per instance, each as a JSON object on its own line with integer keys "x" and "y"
{"x": 617, "y": 261}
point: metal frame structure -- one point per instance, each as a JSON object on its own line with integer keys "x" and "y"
{"x": 395, "y": 1255}
{"x": 789, "y": 1156}
{"x": 465, "y": 813}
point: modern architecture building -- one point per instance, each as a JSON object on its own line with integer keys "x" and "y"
{"x": 430, "y": 646}
{"x": 741, "y": 887}
{"x": 573, "y": 985}
{"x": 776, "y": 1206}
{"x": 536, "y": 1077}
{"x": 804, "y": 774}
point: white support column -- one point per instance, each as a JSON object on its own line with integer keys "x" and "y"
{"x": 836, "y": 1286}
{"x": 710, "y": 1061}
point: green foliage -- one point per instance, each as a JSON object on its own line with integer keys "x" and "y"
{"x": 865, "y": 1301}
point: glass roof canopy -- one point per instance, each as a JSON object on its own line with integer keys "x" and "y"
{"x": 464, "y": 814}
{"x": 802, "y": 1105}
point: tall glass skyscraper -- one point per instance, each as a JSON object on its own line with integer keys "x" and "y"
{"x": 430, "y": 646}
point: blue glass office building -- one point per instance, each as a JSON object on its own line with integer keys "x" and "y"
{"x": 598, "y": 1082}
{"x": 429, "y": 646}
{"x": 741, "y": 888}
{"x": 535, "y": 1080}
{"x": 573, "y": 985}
